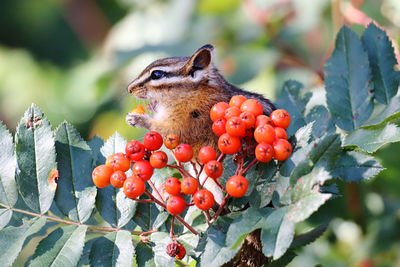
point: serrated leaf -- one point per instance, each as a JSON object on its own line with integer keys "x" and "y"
{"x": 382, "y": 60}
{"x": 5, "y": 217}
{"x": 323, "y": 121}
{"x": 13, "y": 238}
{"x": 370, "y": 140}
{"x": 247, "y": 222}
{"x": 282, "y": 261}
{"x": 305, "y": 197}
{"x": 160, "y": 241}
{"x": 144, "y": 255}
{"x": 259, "y": 185}
{"x": 347, "y": 82}
{"x": 62, "y": 247}
{"x": 276, "y": 233}
{"x": 309, "y": 237}
{"x": 384, "y": 113}
{"x": 354, "y": 166}
{"x": 293, "y": 101}
{"x": 36, "y": 157}
{"x": 84, "y": 260}
{"x": 8, "y": 186}
{"x": 148, "y": 217}
{"x": 215, "y": 252}
{"x": 113, "y": 249}
{"x": 76, "y": 193}
{"x": 95, "y": 144}
{"x": 111, "y": 202}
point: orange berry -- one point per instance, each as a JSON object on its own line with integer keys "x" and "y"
{"x": 101, "y": 176}
{"x": 237, "y": 100}
{"x": 138, "y": 110}
{"x": 252, "y": 106}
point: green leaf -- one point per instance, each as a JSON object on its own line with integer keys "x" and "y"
{"x": 382, "y": 60}
{"x": 305, "y": 196}
{"x": 36, "y": 158}
{"x": 248, "y": 221}
{"x": 370, "y": 140}
{"x": 76, "y": 193}
{"x": 323, "y": 121}
{"x": 276, "y": 233}
{"x": 292, "y": 100}
{"x": 282, "y": 261}
{"x": 95, "y": 144}
{"x": 259, "y": 184}
{"x": 384, "y": 113}
{"x": 8, "y": 186}
{"x": 13, "y": 238}
{"x": 148, "y": 217}
{"x": 160, "y": 241}
{"x": 355, "y": 166}
{"x": 62, "y": 247}
{"x": 5, "y": 217}
{"x": 347, "y": 82}
{"x": 216, "y": 252}
{"x": 113, "y": 249}
{"x": 144, "y": 255}
{"x": 309, "y": 237}
{"x": 111, "y": 202}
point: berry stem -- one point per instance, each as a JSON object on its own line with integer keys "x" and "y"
{"x": 181, "y": 169}
{"x": 220, "y": 157}
{"x": 172, "y": 235}
{"x": 179, "y": 218}
{"x": 249, "y": 166}
{"x": 195, "y": 168}
{"x": 155, "y": 189}
{"x": 143, "y": 200}
{"x": 221, "y": 207}
{"x": 200, "y": 171}
{"x": 94, "y": 228}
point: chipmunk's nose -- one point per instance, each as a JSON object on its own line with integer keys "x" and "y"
{"x": 131, "y": 87}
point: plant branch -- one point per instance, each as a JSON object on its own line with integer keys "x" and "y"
{"x": 94, "y": 228}
{"x": 221, "y": 207}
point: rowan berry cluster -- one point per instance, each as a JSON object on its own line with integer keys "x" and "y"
{"x": 243, "y": 131}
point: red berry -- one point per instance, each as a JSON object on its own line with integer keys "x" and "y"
{"x": 235, "y": 127}
{"x": 118, "y": 162}
{"x": 280, "y": 133}
{"x": 101, "y": 176}
{"x": 264, "y": 152}
{"x": 236, "y": 186}
{"x": 173, "y": 186}
{"x": 252, "y": 106}
{"x": 232, "y": 112}
{"x": 248, "y": 119}
{"x": 189, "y": 185}
{"x": 171, "y": 141}
{"x": 134, "y": 187}
{"x": 203, "y": 199}
{"x": 183, "y": 153}
{"x": 282, "y": 149}
{"x": 206, "y": 154}
{"x": 213, "y": 169}
{"x": 229, "y": 144}
{"x": 218, "y": 111}
{"x": 152, "y": 141}
{"x": 237, "y": 100}
{"x": 176, "y": 205}
{"x": 117, "y": 179}
{"x": 182, "y": 252}
{"x": 264, "y": 133}
{"x": 263, "y": 119}
{"x": 134, "y": 150}
{"x": 219, "y": 127}
{"x": 142, "y": 169}
{"x": 158, "y": 159}
{"x": 281, "y": 118}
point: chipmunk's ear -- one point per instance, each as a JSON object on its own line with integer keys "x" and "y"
{"x": 200, "y": 60}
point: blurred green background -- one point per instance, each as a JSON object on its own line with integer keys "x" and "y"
{"x": 75, "y": 58}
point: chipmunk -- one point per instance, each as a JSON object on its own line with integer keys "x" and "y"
{"x": 181, "y": 91}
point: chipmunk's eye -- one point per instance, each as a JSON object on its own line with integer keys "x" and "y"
{"x": 157, "y": 74}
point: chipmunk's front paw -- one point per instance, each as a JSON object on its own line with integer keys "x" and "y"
{"x": 138, "y": 120}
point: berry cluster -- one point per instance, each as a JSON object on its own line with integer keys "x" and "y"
{"x": 242, "y": 120}
{"x": 243, "y": 131}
